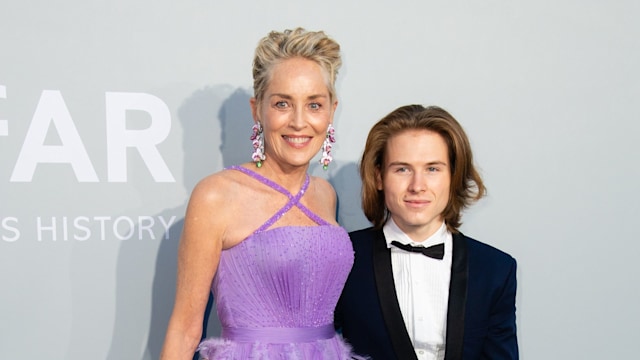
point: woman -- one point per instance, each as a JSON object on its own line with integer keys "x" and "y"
{"x": 263, "y": 236}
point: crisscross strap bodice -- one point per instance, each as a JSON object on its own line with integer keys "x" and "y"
{"x": 294, "y": 200}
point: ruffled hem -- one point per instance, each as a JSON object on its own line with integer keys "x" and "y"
{"x": 222, "y": 349}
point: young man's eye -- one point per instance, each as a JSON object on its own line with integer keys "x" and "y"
{"x": 433, "y": 169}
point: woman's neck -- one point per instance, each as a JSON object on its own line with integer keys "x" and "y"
{"x": 290, "y": 178}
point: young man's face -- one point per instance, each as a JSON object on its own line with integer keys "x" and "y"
{"x": 415, "y": 178}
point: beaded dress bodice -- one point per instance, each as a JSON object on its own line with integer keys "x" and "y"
{"x": 276, "y": 291}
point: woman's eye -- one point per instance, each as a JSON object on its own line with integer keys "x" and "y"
{"x": 314, "y": 106}
{"x": 281, "y": 104}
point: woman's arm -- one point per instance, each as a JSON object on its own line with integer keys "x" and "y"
{"x": 198, "y": 257}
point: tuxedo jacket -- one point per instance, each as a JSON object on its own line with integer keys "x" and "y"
{"x": 481, "y": 316}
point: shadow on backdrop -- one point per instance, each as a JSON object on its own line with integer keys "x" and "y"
{"x": 235, "y": 124}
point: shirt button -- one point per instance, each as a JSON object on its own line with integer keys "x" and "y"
{"x": 420, "y": 352}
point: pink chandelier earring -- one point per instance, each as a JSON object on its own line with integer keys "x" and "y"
{"x": 258, "y": 144}
{"x": 326, "y": 147}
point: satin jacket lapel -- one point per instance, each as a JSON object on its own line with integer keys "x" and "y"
{"x": 457, "y": 298}
{"x": 389, "y": 300}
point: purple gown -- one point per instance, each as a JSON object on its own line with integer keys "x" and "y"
{"x": 276, "y": 291}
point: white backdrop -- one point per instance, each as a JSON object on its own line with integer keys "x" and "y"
{"x": 110, "y": 111}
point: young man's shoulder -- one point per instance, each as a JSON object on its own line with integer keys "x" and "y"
{"x": 364, "y": 238}
{"x": 486, "y": 251}
{"x": 366, "y": 233}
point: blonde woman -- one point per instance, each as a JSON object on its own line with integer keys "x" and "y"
{"x": 262, "y": 235}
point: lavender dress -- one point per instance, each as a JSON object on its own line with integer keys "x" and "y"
{"x": 276, "y": 290}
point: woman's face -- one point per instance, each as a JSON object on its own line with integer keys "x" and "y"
{"x": 295, "y": 112}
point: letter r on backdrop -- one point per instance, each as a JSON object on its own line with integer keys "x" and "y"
{"x": 119, "y": 138}
{"x": 4, "y": 124}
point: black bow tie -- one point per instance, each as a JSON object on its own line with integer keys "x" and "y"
{"x": 434, "y": 252}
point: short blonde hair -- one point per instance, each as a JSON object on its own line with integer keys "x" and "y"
{"x": 466, "y": 184}
{"x": 279, "y": 46}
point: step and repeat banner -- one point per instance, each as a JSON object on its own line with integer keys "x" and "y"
{"x": 112, "y": 111}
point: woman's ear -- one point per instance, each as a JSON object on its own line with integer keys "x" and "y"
{"x": 254, "y": 108}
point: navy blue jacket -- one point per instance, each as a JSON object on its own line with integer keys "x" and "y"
{"x": 481, "y": 318}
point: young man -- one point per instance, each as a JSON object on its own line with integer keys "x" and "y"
{"x": 420, "y": 289}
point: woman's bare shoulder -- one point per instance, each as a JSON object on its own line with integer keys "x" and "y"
{"x": 323, "y": 187}
{"x": 217, "y": 188}
{"x": 323, "y": 199}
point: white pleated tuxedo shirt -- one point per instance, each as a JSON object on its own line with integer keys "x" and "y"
{"x": 422, "y": 286}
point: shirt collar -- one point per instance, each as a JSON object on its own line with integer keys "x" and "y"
{"x": 393, "y": 233}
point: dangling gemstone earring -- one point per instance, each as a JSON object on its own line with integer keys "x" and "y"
{"x": 258, "y": 144}
{"x": 326, "y": 147}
